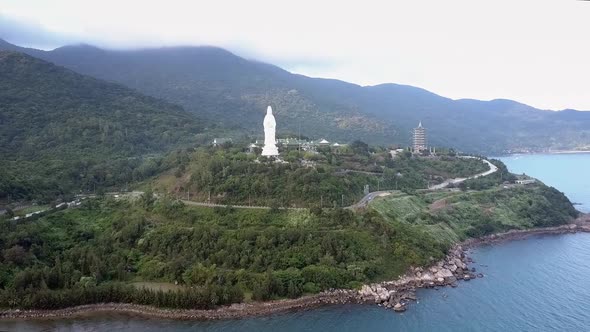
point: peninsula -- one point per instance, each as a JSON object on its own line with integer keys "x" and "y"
{"x": 149, "y": 251}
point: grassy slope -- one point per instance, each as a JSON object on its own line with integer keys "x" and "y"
{"x": 454, "y": 216}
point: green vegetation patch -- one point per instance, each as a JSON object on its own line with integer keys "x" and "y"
{"x": 62, "y": 132}
{"x": 452, "y": 216}
{"x": 103, "y": 250}
{"x": 332, "y": 177}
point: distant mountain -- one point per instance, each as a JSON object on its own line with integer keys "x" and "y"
{"x": 233, "y": 92}
{"x": 227, "y": 89}
{"x": 63, "y": 131}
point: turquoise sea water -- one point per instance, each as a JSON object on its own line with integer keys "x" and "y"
{"x": 538, "y": 284}
{"x": 570, "y": 173}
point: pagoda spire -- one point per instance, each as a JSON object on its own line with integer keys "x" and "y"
{"x": 419, "y": 138}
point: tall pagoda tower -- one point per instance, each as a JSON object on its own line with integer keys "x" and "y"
{"x": 419, "y": 138}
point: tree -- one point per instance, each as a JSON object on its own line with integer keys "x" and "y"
{"x": 147, "y": 199}
{"x": 16, "y": 255}
{"x": 359, "y": 147}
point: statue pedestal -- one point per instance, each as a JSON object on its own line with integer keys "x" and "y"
{"x": 270, "y": 151}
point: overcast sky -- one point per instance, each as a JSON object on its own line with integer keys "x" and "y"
{"x": 536, "y": 52}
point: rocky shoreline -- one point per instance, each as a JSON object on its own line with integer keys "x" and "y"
{"x": 582, "y": 224}
{"x": 397, "y": 294}
{"x": 394, "y": 295}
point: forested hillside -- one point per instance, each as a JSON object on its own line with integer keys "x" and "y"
{"x": 337, "y": 178}
{"x": 61, "y": 131}
{"x": 218, "y": 256}
{"x": 105, "y": 250}
{"x": 234, "y": 92}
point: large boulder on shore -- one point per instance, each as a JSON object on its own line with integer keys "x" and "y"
{"x": 460, "y": 264}
{"x": 376, "y": 293}
{"x": 366, "y": 292}
{"x": 427, "y": 277}
{"x": 384, "y": 295}
{"x": 398, "y": 307}
{"x": 443, "y": 273}
{"x": 451, "y": 280}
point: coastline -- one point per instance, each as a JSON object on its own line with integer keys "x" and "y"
{"x": 390, "y": 294}
{"x": 515, "y": 154}
{"x": 580, "y": 225}
{"x": 568, "y": 151}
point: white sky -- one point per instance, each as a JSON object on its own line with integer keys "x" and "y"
{"x": 532, "y": 51}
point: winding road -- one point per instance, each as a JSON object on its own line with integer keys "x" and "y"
{"x": 372, "y": 195}
{"x": 456, "y": 181}
{"x": 363, "y": 202}
{"x": 236, "y": 206}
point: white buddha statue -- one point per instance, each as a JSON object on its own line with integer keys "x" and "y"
{"x": 270, "y": 143}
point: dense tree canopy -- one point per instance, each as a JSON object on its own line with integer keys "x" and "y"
{"x": 337, "y": 177}
{"x": 90, "y": 254}
{"x": 61, "y": 131}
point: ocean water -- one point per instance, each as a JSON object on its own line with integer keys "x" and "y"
{"x": 566, "y": 172}
{"x": 538, "y": 284}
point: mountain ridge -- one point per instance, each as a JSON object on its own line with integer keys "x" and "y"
{"x": 61, "y": 131}
{"x": 232, "y": 91}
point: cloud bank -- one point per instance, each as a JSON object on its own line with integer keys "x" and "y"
{"x": 535, "y": 52}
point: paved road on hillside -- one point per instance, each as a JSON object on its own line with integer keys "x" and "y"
{"x": 371, "y": 196}
{"x": 457, "y": 181}
{"x": 234, "y": 206}
{"x": 360, "y": 204}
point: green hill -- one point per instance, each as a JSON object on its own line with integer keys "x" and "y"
{"x": 234, "y": 92}
{"x": 337, "y": 178}
{"x": 105, "y": 250}
{"x": 94, "y": 254}
{"x": 61, "y": 131}
{"x": 456, "y": 216}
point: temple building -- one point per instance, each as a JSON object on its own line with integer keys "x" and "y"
{"x": 419, "y": 138}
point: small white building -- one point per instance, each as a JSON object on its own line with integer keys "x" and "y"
{"x": 221, "y": 140}
{"x": 252, "y": 147}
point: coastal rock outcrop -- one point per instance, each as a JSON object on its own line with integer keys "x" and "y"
{"x": 396, "y": 294}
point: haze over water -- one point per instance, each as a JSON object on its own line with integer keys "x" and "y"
{"x": 538, "y": 284}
